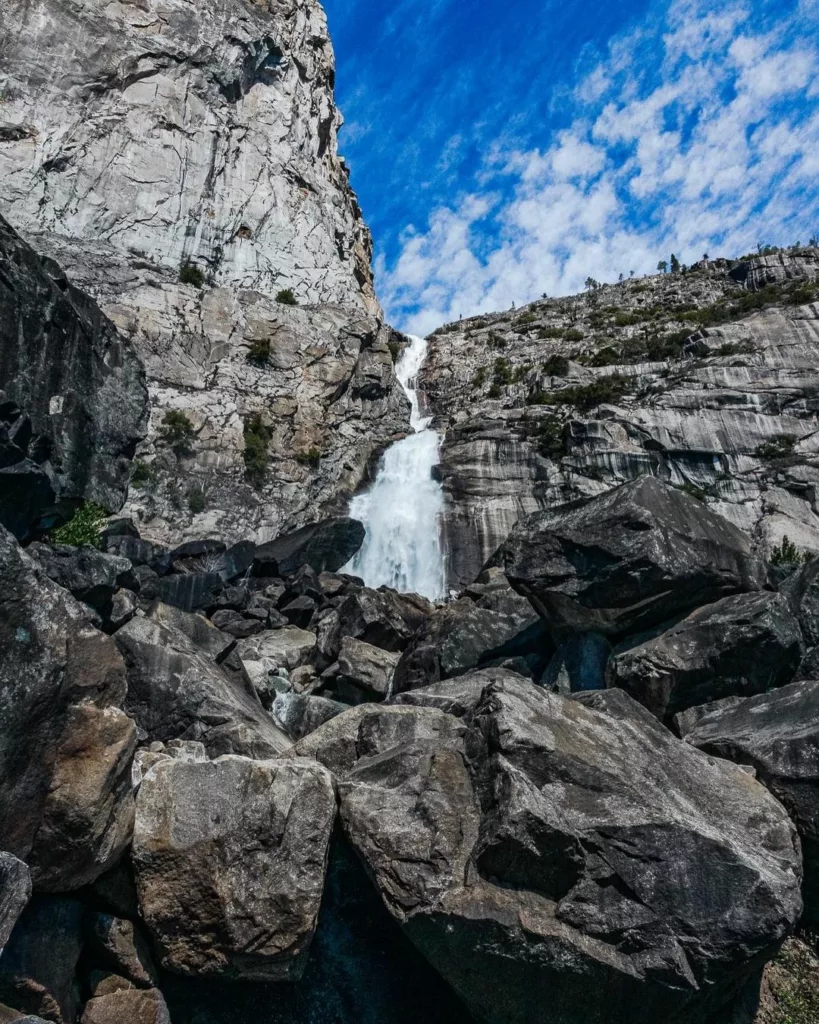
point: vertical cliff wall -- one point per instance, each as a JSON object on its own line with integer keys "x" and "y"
{"x": 180, "y": 161}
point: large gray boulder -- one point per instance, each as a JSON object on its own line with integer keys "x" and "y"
{"x": 66, "y": 806}
{"x": 627, "y": 560}
{"x": 777, "y": 734}
{"x": 562, "y": 862}
{"x": 175, "y": 691}
{"x": 92, "y": 576}
{"x": 737, "y": 647}
{"x": 134, "y": 1006}
{"x": 324, "y": 546}
{"x": 230, "y": 858}
{"x": 79, "y": 383}
{"x": 364, "y": 672}
{"x": 382, "y": 618}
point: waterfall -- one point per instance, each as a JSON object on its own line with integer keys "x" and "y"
{"x": 401, "y": 510}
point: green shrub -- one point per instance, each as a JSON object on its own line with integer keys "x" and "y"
{"x": 501, "y": 372}
{"x": 556, "y": 366}
{"x": 196, "y": 500}
{"x": 573, "y": 335}
{"x": 259, "y": 352}
{"x": 84, "y": 527}
{"x": 787, "y": 553}
{"x": 189, "y": 273}
{"x": 695, "y": 492}
{"x": 286, "y": 297}
{"x": 623, "y": 319}
{"x": 143, "y": 475}
{"x": 395, "y": 350}
{"x": 495, "y": 340}
{"x": 177, "y": 430}
{"x": 257, "y": 438}
{"x": 550, "y": 437}
{"x": 494, "y": 391}
{"x": 311, "y": 457}
{"x": 607, "y": 356}
{"x": 550, "y": 332}
{"x": 479, "y": 379}
{"x": 589, "y": 396}
{"x": 777, "y": 448}
{"x": 525, "y": 318}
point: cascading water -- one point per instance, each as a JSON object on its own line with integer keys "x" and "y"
{"x": 401, "y": 510}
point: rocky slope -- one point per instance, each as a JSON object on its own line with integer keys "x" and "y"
{"x": 705, "y": 379}
{"x": 184, "y": 171}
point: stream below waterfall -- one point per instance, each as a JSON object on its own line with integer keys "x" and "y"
{"x": 401, "y": 510}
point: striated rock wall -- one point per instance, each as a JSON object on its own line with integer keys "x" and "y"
{"x": 690, "y": 377}
{"x": 138, "y": 139}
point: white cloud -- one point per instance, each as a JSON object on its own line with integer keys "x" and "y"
{"x": 692, "y": 135}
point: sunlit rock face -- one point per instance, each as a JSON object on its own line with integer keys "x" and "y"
{"x": 138, "y": 139}
{"x": 705, "y": 379}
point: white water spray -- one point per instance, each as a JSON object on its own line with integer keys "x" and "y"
{"x": 401, "y": 510}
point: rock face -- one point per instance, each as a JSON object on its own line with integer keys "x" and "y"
{"x": 66, "y": 806}
{"x": 15, "y": 890}
{"x": 627, "y": 560}
{"x": 740, "y": 646}
{"x": 777, "y": 734}
{"x": 188, "y": 266}
{"x": 544, "y": 853}
{"x": 230, "y": 858}
{"x": 78, "y": 385}
{"x": 687, "y": 377}
{"x": 176, "y": 692}
{"x": 325, "y": 547}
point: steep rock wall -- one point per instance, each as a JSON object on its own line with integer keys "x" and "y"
{"x": 688, "y": 377}
{"x": 180, "y": 161}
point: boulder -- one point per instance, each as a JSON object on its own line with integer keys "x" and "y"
{"x": 78, "y": 382}
{"x": 15, "y": 892}
{"x": 561, "y": 861}
{"x": 737, "y": 647}
{"x": 627, "y": 560}
{"x": 300, "y": 611}
{"x": 191, "y": 591}
{"x": 118, "y": 943}
{"x": 302, "y": 713}
{"x": 230, "y": 859}
{"x": 134, "y": 1006}
{"x": 136, "y": 550}
{"x": 324, "y": 546}
{"x": 201, "y": 632}
{"x": 777, "y": 734}
{"x": 66, "y": 806}
{"x": 364, "y": 672}
{"x": 487, "y": 628}
{"x": 176, "y": 692}
{"x": 578, "y": 664}
{"x": 90, "y": 575}
{"x": 381, "y": 618}
{"x": 287, "y": 648}
{"x": 235, "y": 624}
{"x": 38, "y": 968}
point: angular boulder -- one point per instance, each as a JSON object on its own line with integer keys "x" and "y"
{"x": 382, "y": 618}
{"x": 473, "y": 632}
{"x": 777, "y": 734}
{"x": 324, "y": 546}
{"x": 15, "y": 892}
{"x": 200, "y": 631}
{"x": 78, "y": 381}
{"x": 302, "y": 713}
{"x": 627, "y": 560}
{"x": 560, "y": 861}
{"x": 364, "y": 672}
{"x": 288, "y": 648}
{"x": 118, "y": 943}
{"x": 66, "y": 806}
{"x": 91, "y": 576}
{"x": 176, "y": 692}
{"x": 230, "y": 859}
{"x": 737, "y": 647}
{"x": 146, "y": 1006}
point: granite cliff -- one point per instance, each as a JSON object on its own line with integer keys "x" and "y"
{"x": 706, "y": 379}
{"x": 183, "y": 170}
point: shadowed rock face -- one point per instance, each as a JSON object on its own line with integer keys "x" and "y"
{"x": 627, "y": 560}
{"x": 78, "y": 384}
{"x": 540, "y": 852}
{"x": 739, "y": 646}
{"x": 777, "y": 734}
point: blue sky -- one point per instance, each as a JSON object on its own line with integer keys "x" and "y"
{"x": 501, "y": 150}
